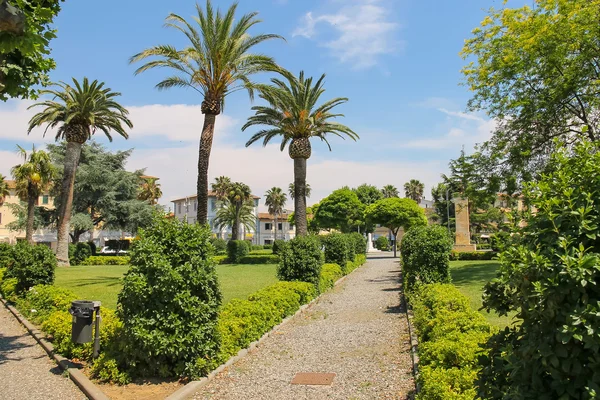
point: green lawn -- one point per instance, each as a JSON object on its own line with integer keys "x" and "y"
{"x": 470, "y": 277}
{"x": 104, "y": 282}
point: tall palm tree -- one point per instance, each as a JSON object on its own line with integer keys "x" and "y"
{"x": 33, "y": 177}
{"x": 216, "y": 62}
{"x": 292, "y": 113}
{"x": 275, "y": 200}
{"x": 237, "y": 197}
{"x": 221, "y": 186}
{"x": 150, "y": 190}
{"x": 234, "y": 215}
{"x": 414, "y": 190}
{"x": 389, "y": 191}
{"x": 292, "y": 190}
{"x": 78, "y": 111}
{"x": 4, "y": 190}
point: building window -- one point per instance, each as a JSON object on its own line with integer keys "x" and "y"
{"x": 179, "y": 208}
{"x": 268, "y": 226}
{"x": 268, "y": 241}
{"x": 280, "y": 226}
{"x": 213, "y": 204}
{"x": 45, "y": 199}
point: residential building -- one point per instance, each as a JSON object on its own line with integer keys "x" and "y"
{"x": 270, "y": 230}
{"x": 185, "y": 209}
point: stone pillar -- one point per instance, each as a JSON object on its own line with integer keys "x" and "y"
{"x": 463, "y": 234}
{"x": 370, "y": 247}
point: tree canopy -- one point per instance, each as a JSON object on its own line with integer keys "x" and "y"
{"x": 368, "y": 194}
{"x": 341, "y": 210}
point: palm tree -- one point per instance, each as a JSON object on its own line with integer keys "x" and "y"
{"x": 4, "y": 190}
{"x": 275, "y": 201}
{"x": 150, "y": 190}
{"x": 389, "y": 191}
{"x": 237, "y": 196}
{"x": 292, "y": 190}
{"x": 293, "y": 114}
{"x": 414, "y": 190}
{"x": 33, "y": 177}
{"x": 221, "y": 186}
{"x": 234, "y": 215}
{"x": 78, "y": 111}
{"x": 216, "y": 62}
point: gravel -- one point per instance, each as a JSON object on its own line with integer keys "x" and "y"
{"x": 26, "y": 371}
{"x": 357, "y": 330}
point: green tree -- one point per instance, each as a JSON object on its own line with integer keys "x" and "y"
{"x": 535, "y": 70}
{"x": 368, "y": 194}
{"x": 292, "y": 114}
{"x": 32, "y": 178}
{"x": 236, "y": 207}
{"x": 216, "y": 62}
{"x": 25, "y": 36}
{"x": 389, "y": 191}
{"x": 4, "y": 190}
{"x": 221, "y": 187}
{"x": 443, "y": 205}
{"x": 414, "y": 190}
{"x": 275, "y": 199}
{"x": 78, "y": 111}
{"x": 150, "y": 190}
{"x": 341, "y": 210}
{"x": 292, "y": 190}
{"x": 395, "y": 213}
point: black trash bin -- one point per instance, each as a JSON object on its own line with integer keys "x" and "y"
{"x": 81, "y": 328}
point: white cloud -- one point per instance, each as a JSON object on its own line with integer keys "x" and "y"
{"x": 362, "y": 29}
{"x": 7, "y": 160}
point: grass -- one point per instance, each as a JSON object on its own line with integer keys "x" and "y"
{"x": 470, "y": 277}
{"x": 104, "y": 282}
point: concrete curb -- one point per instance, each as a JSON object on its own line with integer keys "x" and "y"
{"x": 83, "y": 382}
{"x": 188, "y": 390}
{"x": 414, "y": 341}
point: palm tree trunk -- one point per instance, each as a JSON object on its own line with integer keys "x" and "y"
{"x": 300, "y": 196}
{"x": 66, "y": 205}
{"x": 208, "y": 130}
{"x": 30, "y": 214}
{"x": 275, "y": 226}
{"x": 236, "y": 224}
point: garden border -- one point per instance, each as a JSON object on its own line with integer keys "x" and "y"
{"x": 189, "y": 389}
{"x": 414, "y": 341}
{"x": 84, "y": 384}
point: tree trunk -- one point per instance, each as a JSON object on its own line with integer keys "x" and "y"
{"x": 394, "y": 240}
{"x": 31, "y": 197}
{"x": 206, "y": 139}
{"x": 275, "y": 226}
{"x": 300, "y": 196}
{"x": 234, "y": 231}
{"x": 66, "y": 205}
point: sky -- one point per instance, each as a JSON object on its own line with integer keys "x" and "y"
{"x": 397, "y": 61}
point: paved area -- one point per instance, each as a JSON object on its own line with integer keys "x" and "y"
{"x": 357, "y": 331}
{"x": 26, "y": 372}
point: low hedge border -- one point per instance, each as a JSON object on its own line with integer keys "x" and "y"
{"x": 106, "y": 260}
{"x": 473, "y": 255}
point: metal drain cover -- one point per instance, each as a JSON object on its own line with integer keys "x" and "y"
{"x": 312, "y": 378}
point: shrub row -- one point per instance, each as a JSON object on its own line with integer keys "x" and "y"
{"x": 473, "y": 255}
{"x": 106, "y": 260}
{"x": 331, "y": 272}
{"x": 236, "y": 249}
{"x": 259, "y": 259}
{"x": 26, "y": 266}
{"x": 450, "y": 338}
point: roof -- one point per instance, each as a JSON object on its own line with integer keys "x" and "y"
{"x": 270, "y": 217}
{"x": 210, "y": 194}
{"x": 149, "y": 177}
{"x": 11, "y": 184}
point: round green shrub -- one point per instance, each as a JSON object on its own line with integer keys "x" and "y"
{"x": 170, "y": 301}
{"x": 336, "y": 249}
{"x": 219, "y": 244}
{"x": 359, "y": 242}
{"x": 236, "y": 249}
{"x": 8, "y": 288}
{"x": 79, "y": 252}
{"x": 6, "y": 255}
{"x": 33, "y": 265}
{"x": 425, "y": 255}
{"x": 301, "y": 260}
{"x": 330, "y": 273}
{"x": 382, "y": 243}
{"x": 278, "y": 246}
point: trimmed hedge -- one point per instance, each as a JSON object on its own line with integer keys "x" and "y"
{"x": 450, "y": 338}
{"x": 237, "y": 249}
{"x": 79, "y": 252}
{"x": 301, "y": 260}
{"x": 259, "y": 259}
{"x": 278, "y": 246}
{"x": 359, "y": 242}
{"x": 32, "y": 265}
{"x": 338, "y": 249}
{"x": 473, "y": 255}
{"x": 268, "y": 246}
{"x": 256, "y": 247}
{"x": 107, "y": 260}
{"x": 382, "y": 243}
{"x": 221, "y": 260}
{"x": 330, "y": 273}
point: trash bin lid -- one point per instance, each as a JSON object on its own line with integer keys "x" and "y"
{"x": 82, "y": 308}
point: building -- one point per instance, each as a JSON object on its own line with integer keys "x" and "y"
{"x": 185, "y": 209}
{"x": 268, "y": 230}
{"x": 45, "y": 236}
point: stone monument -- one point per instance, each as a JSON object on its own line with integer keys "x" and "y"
{"x": 462, "y": 241}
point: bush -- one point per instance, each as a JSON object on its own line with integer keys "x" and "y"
{"x": 301, "y": 260}
{"x": 237, "y": 249}
{"x": 499, "y": 241}
{"x": 78, "y": 253}
{"x": 221, "y": 260}
{"x": 45, "y": 299}
{"x": 382, "y": 243}
{"x": 169, "y": 302}
{"x": 330, "y": 273}
{"x": 220, "y": 245}
{"x": 473, "y": 255}
{"x": 278, "y": 246}
{"x": 33, "y": 265}
{"x": 241, "y": 322}
{"x": 359, "y": 242}
{"x": 8, "y": 288}
{"x": 425, "y": 255}
{"x": 256, "y": 247}
{"x": 259, "y": 259}
{"x": 446, "y": 384}
{"x": 6, "y": 255}
{"x": 337, "y": 249}
{"x": 484, "y": 246}
{"x": 93, "y": 248}
{"x": 268, "y": 246}
{"x": 106, "y": 260}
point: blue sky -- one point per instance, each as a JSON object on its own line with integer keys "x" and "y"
{"x": 396, "y": 60}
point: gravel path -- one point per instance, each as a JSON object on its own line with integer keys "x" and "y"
{"x": 357, "y": 330}
{"x": 26, "y": 372}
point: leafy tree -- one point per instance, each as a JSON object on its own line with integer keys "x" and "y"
{"x": 216, "y": 62}
{"x": 414, "y": 190}
{"x": 292, "y": 113}
{"x": 389, "y": 191}
{"x": 78, "y": 111}
{"x": 292, "y": 191}
{"x": 150, "y": 190}
{"x": 535, "y": 70}
{"x": 549, "y": 277}
{"x": 42, "y": 217}
{"x": 395, "y": 213}
{"x": 444, "y": 208}
{"x": 275, "y": 201}
{"x": 25, "y": 35}
{"x": 33, "y": 178}
{"x": 341, "y": 210}
{"x": 4, "y": 190}
{"x": 368, "y": 194}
